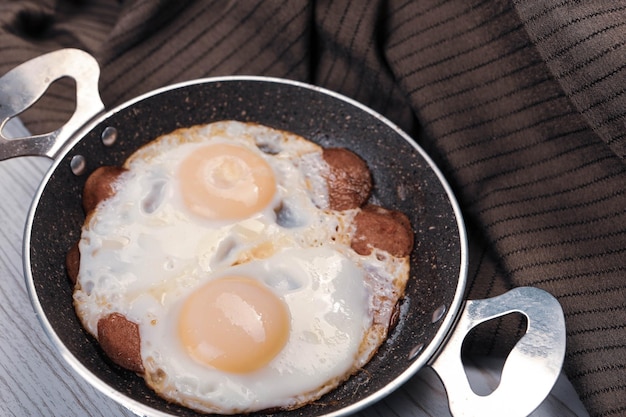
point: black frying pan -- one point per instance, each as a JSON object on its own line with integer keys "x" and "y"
{"x": 434, "y": 318}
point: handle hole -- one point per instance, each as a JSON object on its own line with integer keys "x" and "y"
{"x": 485, "y": 350}
{"x": 14, "y": 129}
{"x": 53, "y": 109}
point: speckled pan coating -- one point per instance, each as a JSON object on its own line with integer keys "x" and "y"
{"x": 403, "y": 179}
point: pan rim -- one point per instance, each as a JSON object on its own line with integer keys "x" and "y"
{"x": 427, "y": 354}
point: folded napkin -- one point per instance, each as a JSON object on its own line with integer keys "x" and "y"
{"x": 521, "y": 103}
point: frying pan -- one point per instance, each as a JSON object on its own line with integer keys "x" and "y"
{"x": 434, "y": 317}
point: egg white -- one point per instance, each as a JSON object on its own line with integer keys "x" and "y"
{"x": 143, "y": 253}
{"x": 329, "y": 316}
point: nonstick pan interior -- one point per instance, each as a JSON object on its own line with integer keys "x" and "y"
{"x": 403, "y": 179}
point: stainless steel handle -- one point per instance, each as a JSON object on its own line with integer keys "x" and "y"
{"x": 530, "y": 370}
{"x": 21, "y": 87}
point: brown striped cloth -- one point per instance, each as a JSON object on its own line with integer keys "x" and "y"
{"x": 522, "y": 103}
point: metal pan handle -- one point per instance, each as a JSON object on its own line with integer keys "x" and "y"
{"x": 21, "y": 87}
{"x": 530, "y": 370}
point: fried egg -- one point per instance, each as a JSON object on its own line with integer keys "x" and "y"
{"x": 219, "y": 244}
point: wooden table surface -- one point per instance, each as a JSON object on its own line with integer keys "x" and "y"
{"x": 35, "y": 380}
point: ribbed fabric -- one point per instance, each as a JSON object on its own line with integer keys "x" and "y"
{"x": 522, "y": 104}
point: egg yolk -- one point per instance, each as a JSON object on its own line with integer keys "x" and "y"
{"x": 225, "y": 182}
{"x": 235, "y": 324}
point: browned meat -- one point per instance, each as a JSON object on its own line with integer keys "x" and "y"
{"x": 388, "y": 230}
{"x": 349, "y": 181}
{"x": 120, "y": 340}
{"x": 99, "y": 187}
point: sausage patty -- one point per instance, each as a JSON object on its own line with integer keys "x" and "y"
{"x": 99, "y": 186}
{"x": 349, "y": 180}
{"x": 388, "y": 230}
{"x": 120, "y": 340}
